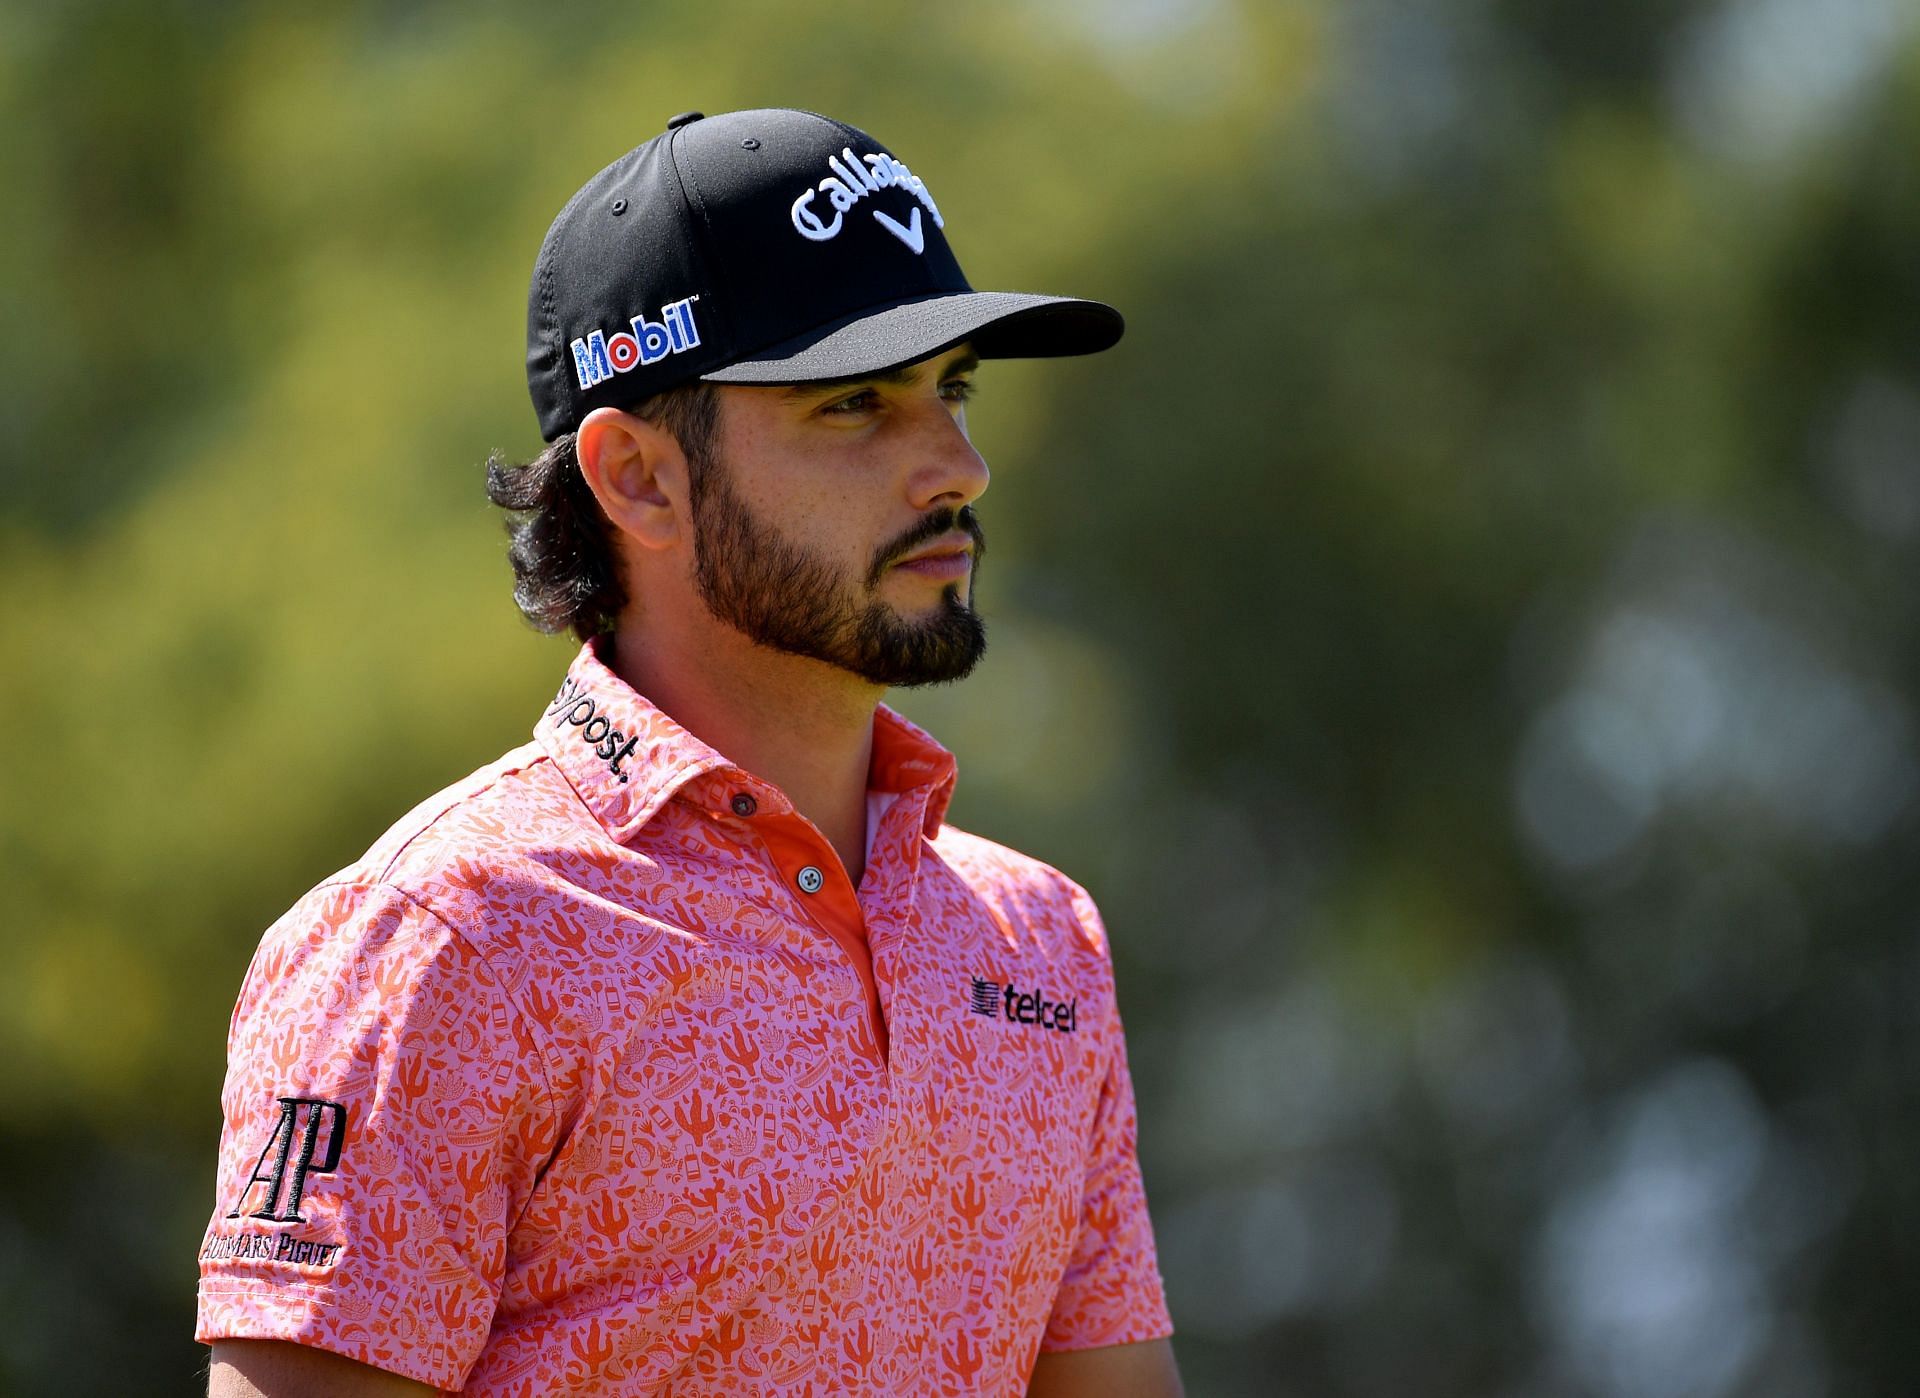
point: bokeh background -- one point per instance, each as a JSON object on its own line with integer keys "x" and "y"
{"x": 1467, "y": 635}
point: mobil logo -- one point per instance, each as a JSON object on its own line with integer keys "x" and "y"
{"x": 600, "y": 356}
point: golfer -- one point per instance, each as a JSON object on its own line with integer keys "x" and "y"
{"x": 687, "y": 1049}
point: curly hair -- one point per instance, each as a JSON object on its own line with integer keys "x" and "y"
{"x": 566, "y": 571}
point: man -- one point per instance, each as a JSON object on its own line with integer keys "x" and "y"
{"x": 687, "y": 1049}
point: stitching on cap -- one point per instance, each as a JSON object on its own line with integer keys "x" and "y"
{"x": 834, "y": 122}
{"x": 550, "y": 331}
{"x": 568, "y": 398}
{"x": 687, "y": 178}
{"x": 690, "y": 189}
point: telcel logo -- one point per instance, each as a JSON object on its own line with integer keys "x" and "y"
{"x": 1004, "y": 1001}
{"x": 599, "y": 357}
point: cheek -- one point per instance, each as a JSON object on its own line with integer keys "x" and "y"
{"x": 831, "y": 524}
{"x": 825, "y": 492}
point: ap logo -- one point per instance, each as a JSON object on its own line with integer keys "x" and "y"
{"x": 297, "y": 1138}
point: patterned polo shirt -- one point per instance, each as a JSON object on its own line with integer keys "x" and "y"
{"x": 597, "y": 1076}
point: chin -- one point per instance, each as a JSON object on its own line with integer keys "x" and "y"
{"x": 952, "y": 597}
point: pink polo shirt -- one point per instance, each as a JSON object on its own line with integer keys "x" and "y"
{"x": 596, "y": 1076}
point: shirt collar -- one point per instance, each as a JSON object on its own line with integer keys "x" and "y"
{"x": 908, "y": 758}
{"x": 626, "y": 759}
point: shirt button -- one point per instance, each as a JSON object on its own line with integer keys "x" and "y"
{"x": 810, "y": 879}
{"x": 744, "y": 805}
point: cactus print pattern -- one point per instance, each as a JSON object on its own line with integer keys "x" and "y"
{"x": 623, "y": 1110}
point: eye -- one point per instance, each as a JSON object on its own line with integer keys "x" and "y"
{"x": 958, "y": 390}
{"x": 863, "y": 401}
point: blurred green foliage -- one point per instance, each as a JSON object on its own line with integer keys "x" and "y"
{"x": 1465, "y": 635}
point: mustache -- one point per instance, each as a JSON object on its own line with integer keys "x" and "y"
{"x": 944, "y": 520}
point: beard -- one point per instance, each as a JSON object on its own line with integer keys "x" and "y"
{"x": 777, "y": 593}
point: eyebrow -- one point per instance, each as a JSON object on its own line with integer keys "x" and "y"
{"x": 961, "y": 364}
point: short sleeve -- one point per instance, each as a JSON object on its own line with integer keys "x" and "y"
{"x": 1111, "y": 1293}
{"x": 386, "y": 1117}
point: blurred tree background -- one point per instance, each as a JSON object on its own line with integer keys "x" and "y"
{"x": 1467, "y": 635}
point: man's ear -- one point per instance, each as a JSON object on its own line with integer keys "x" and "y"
{"x": 638, "y": 473}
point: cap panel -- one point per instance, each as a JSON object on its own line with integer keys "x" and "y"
{"x": 719, "y": 306}
{"x": 812, "y": 220}
{"x": 619, "y": 310}
{"x": 549, "y": 388}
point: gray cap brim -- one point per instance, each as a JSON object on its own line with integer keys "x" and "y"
{"x": 1001, "y": 325}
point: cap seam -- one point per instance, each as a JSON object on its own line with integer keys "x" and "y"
{"x": 690, "y": 192}
{"x": 818, "y": 116}
{"x": 567, "y": 401}
{"x": 550, "y": 334}
{"x": 850, "y": 132}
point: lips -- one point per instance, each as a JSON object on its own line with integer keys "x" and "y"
{"x": 948, "y": 557}
{"x": 947, "y": 544}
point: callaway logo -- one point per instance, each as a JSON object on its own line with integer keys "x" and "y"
{"x": 598, "y": 358}
{"x": 994, "y": 1001}
{"x": 575, "y": 708}
{"x": 853, "y": 179}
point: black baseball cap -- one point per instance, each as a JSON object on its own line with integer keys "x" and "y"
{"x": 770, "y": 246}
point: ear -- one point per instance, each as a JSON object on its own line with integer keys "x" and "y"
{"x": 638, "y": 473}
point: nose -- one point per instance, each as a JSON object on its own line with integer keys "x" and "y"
{"x": 946, "y": 469}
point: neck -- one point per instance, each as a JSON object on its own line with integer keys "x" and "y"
{"x": 803, "y": 725}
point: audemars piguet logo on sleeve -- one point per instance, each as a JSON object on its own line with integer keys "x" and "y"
{"x": 308, "y": 1136}
{"x": 307, "y": 1139}
{"x": 270, "y": 1247}
{"x": 850, "y": 179}
{"x": 997, "y": 1001}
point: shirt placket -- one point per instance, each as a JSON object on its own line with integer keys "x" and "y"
{"x": 811, "y": 872}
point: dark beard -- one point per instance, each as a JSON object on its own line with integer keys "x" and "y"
{"x": 777, "y": 594}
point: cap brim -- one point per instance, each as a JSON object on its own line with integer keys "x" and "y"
{"x": 1001, "y": 325}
